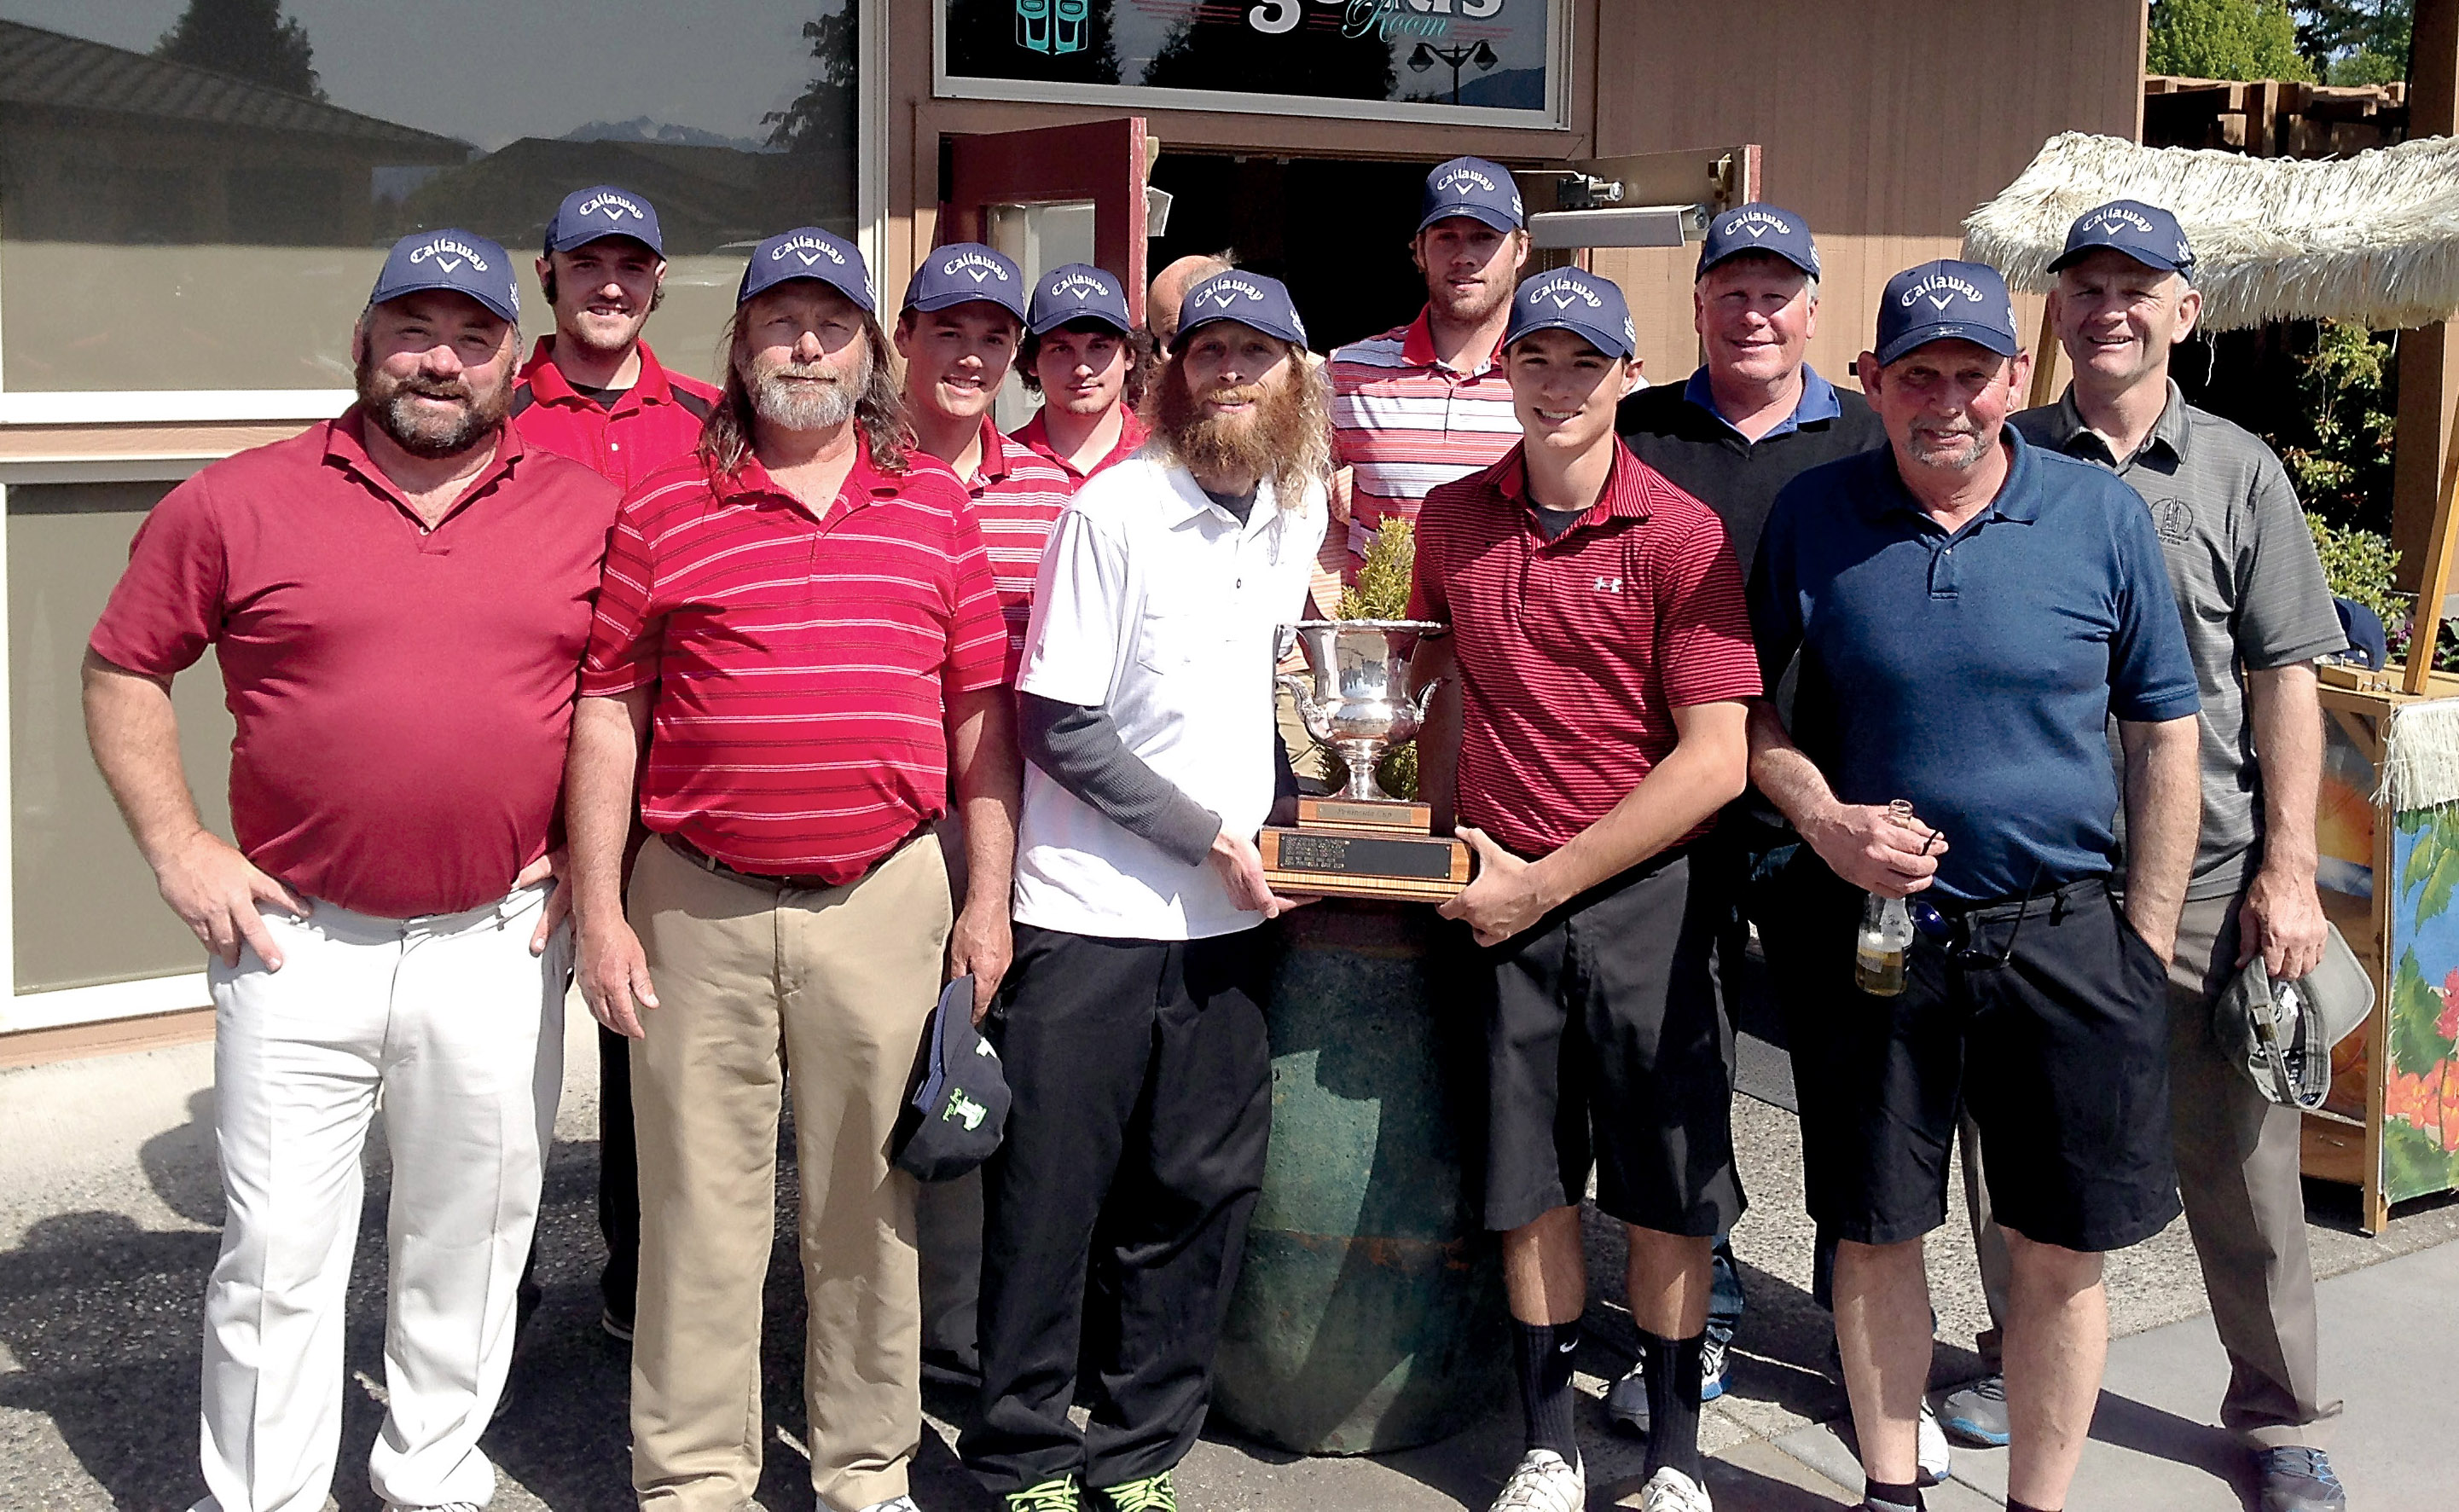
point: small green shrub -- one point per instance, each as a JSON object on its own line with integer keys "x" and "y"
{"x": 1381, "y": 592}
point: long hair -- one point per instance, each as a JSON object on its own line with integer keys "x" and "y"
{"x": 878, "y": 412}
{"x": 1142, "y": 364}
{"x": 1301, "y": 416}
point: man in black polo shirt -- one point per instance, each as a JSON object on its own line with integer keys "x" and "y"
{"x": 1752, "y": 415}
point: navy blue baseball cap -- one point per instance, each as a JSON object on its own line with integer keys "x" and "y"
{"x": 605, "y": 211}
{"x": 1567, "y": 299}
{"x": 1758, "y": 227}
{"x": 1948, "y": 300}
{"x": 1251, "y": 299}
{"x": 463, "y": 261}
{"x": 1471, "y": 187}
{"x": 1075, "y": 291}
{"x": 964, "y": 271}
{"x": 957, "y": 1112}
{"x": 808, "y": 252}
{"x": 2146, "y": 233}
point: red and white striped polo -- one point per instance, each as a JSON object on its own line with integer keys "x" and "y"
{"x": 1405, "y": 423}
{"x": 1035, "y": 433}
{"x": 1018, "y": 493}
{"x": 801, "y": 664}
{"x": 1575, "y": 652}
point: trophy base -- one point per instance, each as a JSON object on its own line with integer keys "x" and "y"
{"x": 1364, "y": 862}
{"x": 1364, "y": 814}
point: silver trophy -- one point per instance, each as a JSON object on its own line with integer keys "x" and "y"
{"x": 1357, "y": 701}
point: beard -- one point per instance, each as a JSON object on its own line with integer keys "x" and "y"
{"x": 391, "y": 404}
{"x": 1955, "y": 451}
{"x": 1467, "y": 309}
{"x": 802, "y": 397}
{"x": 1257, "y": 443}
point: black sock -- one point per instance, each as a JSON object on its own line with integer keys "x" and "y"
{"x": 2013, "y": 1506}
{"x": 1546, "y": 1351}
{"x": 1883, "y": 1494}
{"x": 1673, "y": 1367}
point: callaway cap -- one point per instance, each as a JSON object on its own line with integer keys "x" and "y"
{"x": 1471, "y": 187}
{"x": 1758, "y": 227}
{"x": 463, "y": 261}
{"x": 808, "y": 252}
{"x": 1566, "y": 299}
{"x": 1946, "y": 301}
{"x": 1251, "y": 299}
{"x": 589, "y": 214}
{"x": 962, "y": 272}
{"x": 953, "y": 1119}
{"x": 1078, "y": 291}
{"x": 2146, "y": 233}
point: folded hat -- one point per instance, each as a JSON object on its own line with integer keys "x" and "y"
{"x": 952, "y": 1120}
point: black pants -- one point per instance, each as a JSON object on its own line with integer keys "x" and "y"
{"x": 1141, "y": 1079}
{"x": 619, "y": 1175}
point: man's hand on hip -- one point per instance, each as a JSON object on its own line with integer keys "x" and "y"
{"x": 215, "y": 891}
{"x": 614, "y": 975}
{"x": 554, "y": 866}
{"x": 1867, "y": 846}
{"x": 2282, "y": 922}
{"x": 983, "y": 942}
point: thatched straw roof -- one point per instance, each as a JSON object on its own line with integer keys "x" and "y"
{"x": 2372, "y": 239}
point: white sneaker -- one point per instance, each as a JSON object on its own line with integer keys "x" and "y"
{"x": 1544, "y": 1483}
{"x": 1933, "y": 1456}
{"x": 901, "y": 1503}
{"x": 1670, "y": 1490}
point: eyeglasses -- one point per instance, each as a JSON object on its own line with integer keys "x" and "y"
{"x": 1929, "y": 920}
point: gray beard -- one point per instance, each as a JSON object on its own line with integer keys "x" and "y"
{"x": 800, "y": 406}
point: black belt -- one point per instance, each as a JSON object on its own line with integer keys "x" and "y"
{"x": 791, "y": 884}
{"x": 2050, "y": 901}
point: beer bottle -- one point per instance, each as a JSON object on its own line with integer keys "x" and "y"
{"x": 1887, "y": 934}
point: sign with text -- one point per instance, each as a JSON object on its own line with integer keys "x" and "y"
{"x": 1497, "y": 62}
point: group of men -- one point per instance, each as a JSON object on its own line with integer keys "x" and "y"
{"x": 805, "y": 693}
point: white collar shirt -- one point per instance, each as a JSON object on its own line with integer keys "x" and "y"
{"x": 1158, "y": 606}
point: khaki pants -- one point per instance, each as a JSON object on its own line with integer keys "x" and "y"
{"x": 839, "y": 983}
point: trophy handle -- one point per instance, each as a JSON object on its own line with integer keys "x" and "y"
{"x": 1312, "y": 714}
{"x": 1424, "y": 701}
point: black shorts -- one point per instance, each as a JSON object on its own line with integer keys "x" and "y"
{"x": 2062, "y": 1055}
{"x": 1604, "y": 1043}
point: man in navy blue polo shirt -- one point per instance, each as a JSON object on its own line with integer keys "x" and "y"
{"x": 1969, "y": 612}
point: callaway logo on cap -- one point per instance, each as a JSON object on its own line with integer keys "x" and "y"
{"x": 809, "y": 252}
{"x": 1567, "y": 299}
{"x": 588, "y": 214}
{"x": 1472, "y": 187}
{"x": 1251, "y": 299}
{"x": 1078, "y": 291}
{"x": 2146, "y": 233}
{"x": 462, "y": 262}
{"x": 963, "y": 271}
{"x": 1756, "y": 227}
{"x": 1946, "y": 301}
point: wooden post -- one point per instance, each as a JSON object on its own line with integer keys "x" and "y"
{"x": 2429, "y": 357}
{"x": 2045, "y": 361}
{"x": 2427, "y": 630}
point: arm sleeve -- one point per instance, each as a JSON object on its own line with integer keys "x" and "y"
{"x": 626, "y": 633}
{"x": 1080, "y": 750}
{"x": 2285, "y": 615}
{"x": 2151, "y": 677}
{"x": 168, "y": 606}
{"x": 1703, "y": 633}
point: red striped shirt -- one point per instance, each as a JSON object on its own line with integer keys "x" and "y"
{"x": 1575, "y": 652}
{"x": 801, "y": 664}
{"x": 1036, "y": 435}
{"x": 1405, "y": 424}
{"x": 656, "y": 421}
{"x": 1017, "y": 494}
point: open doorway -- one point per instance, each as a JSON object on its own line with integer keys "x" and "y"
{"x": 1336, "y": 231}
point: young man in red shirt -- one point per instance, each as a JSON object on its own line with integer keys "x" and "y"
{"x": 1599, "y": 633}
{"x": 593, "y": 390}
{"x": 1083, "y": 356}
{"x": 803, "y": 615}
{"x": 398, "y": 599}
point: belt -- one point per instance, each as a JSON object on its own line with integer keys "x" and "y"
{"x": 2050, "y": 901}
{"x": 789, "y": 884}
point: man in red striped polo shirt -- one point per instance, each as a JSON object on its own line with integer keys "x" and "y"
{"x": 593, "y": 390}
{"x": 1603, "y": 648}
{"x": 1427, "y": 402}
{"x": 803, "y": 615}
{"x": 1083, "y": 356}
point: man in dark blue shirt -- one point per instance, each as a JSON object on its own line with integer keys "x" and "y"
{"x": 1969, "y": 612}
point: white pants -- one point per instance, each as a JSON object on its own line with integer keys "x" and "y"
{"x": 458, "y": 1028}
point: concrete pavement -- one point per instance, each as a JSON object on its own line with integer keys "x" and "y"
{"x": 110, "y": 1203}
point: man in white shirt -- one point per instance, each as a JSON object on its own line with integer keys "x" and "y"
{"x": 1131, "y": 1022}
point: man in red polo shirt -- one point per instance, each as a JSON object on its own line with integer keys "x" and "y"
{"x": 1083, "y": 356}
{"x": 594, "y": 390}
{"x": 802, "y": 614}
{"x": 1602, "y": 646}
{"x": 385, "y": 926}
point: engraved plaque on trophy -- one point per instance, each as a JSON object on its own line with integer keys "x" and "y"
{"x": 1360, "y": 842}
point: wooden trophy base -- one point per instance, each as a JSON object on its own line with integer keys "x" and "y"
{"x": 1349, "y": 847}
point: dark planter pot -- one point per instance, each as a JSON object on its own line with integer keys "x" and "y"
{"x": 1370, "y": 1314}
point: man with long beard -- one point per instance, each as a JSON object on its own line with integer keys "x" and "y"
{"x": 802, "y": 614}
{"x": 1427, "y": 402}
{"x": 1132, "y": 1027}
{"x": 387, "y": 926}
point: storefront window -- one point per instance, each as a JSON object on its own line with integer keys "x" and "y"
{"x": 87, "y": 911}
{"x": 186, "y": 204}
{"x": 1492, "y": 61}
